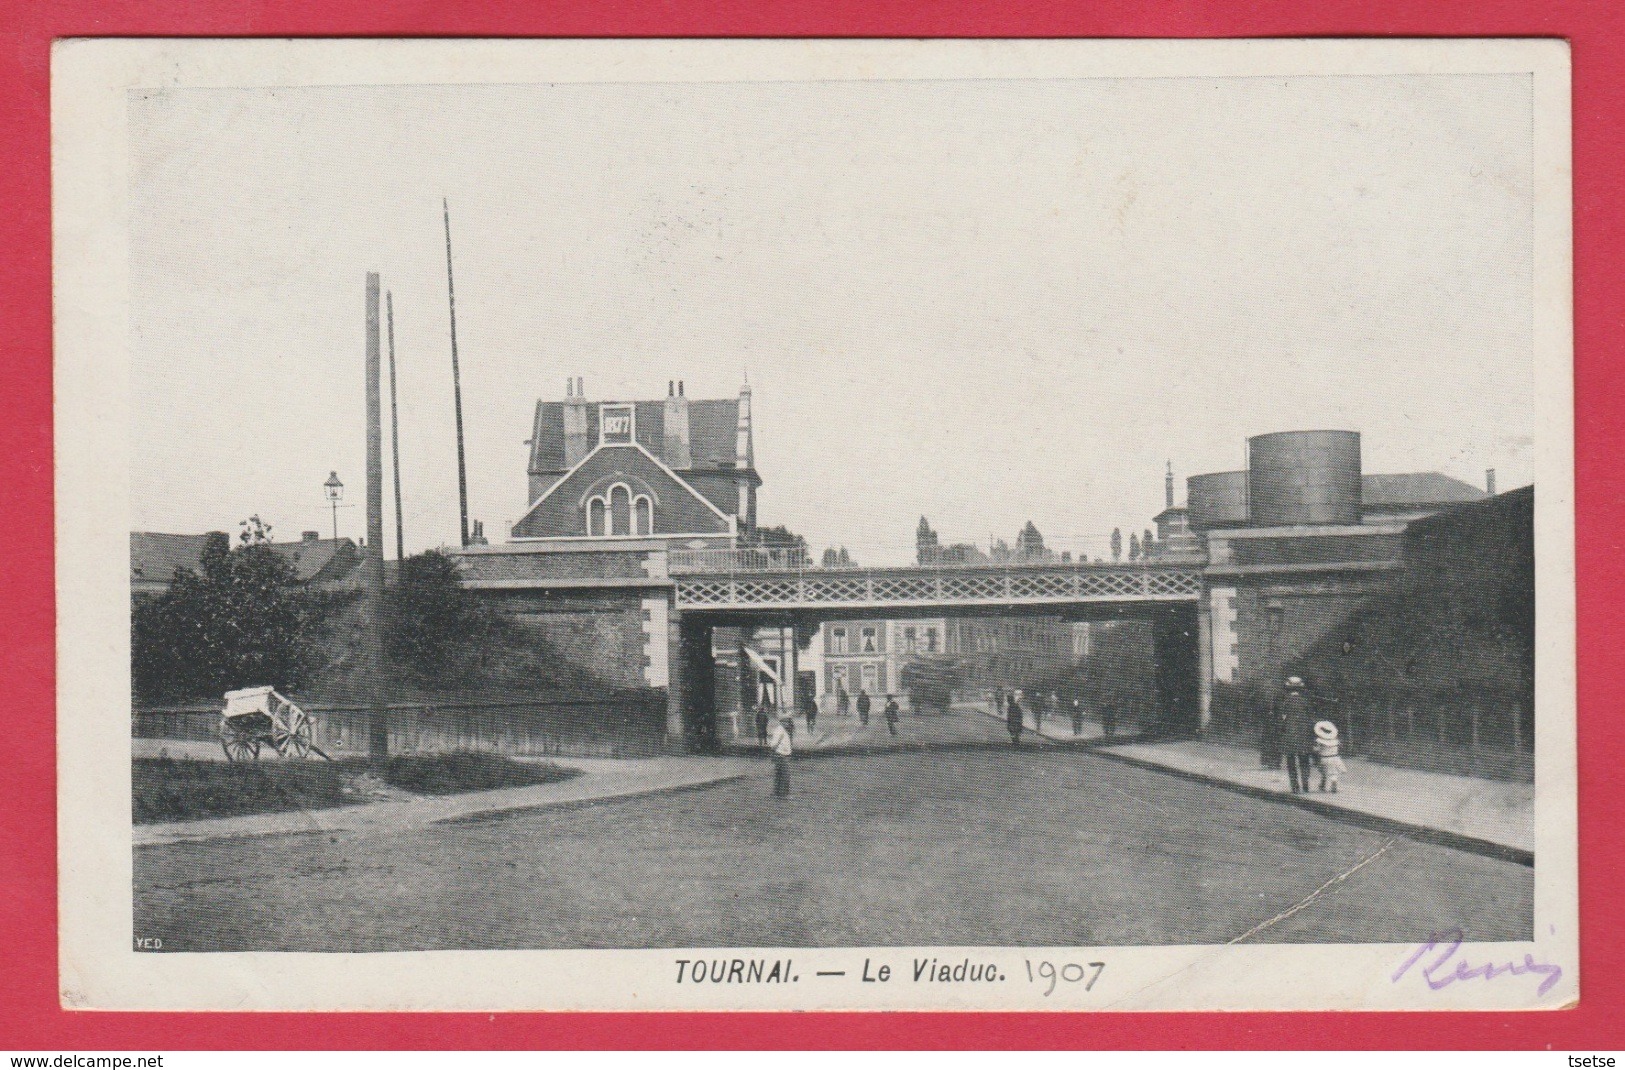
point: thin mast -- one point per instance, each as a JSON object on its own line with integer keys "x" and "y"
{"x": 372, "y": 559}
{"x": 456, "y": 381}
{"x": 395, "y": 430}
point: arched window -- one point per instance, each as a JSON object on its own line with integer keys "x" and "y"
{"x": 595, "y": 517}
{"x": 643, "y": 515}
{"x": 620, "y": 510}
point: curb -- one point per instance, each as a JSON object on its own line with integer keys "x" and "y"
{"x": 581, "y": 804}
{"x": 472, "y": 817}
{"x": 1116, "y": 739}
{"x": 1458, "y": 840}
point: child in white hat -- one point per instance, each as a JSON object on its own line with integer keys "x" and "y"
{"x": 1326, "y": 748}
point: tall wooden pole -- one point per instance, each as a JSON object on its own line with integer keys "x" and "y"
{"x": 456, "y": 380}
{"x": 395, "y": 432}
{"x": 372, "y": 558}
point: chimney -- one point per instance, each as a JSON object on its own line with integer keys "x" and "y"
{"x": 309, "y": 536}
{"x": 569, "y": 388}
{"x": 1489, "y": 481}
{"x": 577, "y": 443}
{"x": 676, "y": 445}
{"x": 745, "y": 458}
{"x": 1168, "y": 487}
{"x": 581, "y": 387}
{"x": 744, "y": 441}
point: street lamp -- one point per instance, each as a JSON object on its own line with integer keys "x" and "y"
{"x": 335, "y": 492}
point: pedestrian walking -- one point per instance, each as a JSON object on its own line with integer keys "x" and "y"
{"x": 1077, "y": 717}
{"x": 1013, "y": 718}
{"x": 1038, "y": 713}
{"x": 782, "y": 744}
{"x": 1328, "y": 753}
{"x": 812, "y": 714}
{"x": 843, "y": 701}
{"x": 1271, "y": 721}
{"x": 761, "y": 724}
{"x": 893, "y": 711}
{"x": 1297, "y": 734}
{"x": 863, "y": 706}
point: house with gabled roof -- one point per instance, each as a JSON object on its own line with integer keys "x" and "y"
{"x": 156, "y": 556}
{"x": 679, "y": 470}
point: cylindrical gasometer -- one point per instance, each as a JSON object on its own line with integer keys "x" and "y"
{"x": 1303, "y": 477}
{"x": 1216, "y": 500}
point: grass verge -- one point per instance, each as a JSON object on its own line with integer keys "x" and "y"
{"x": 458, "y": 771}
{"x": 187, "y": 789}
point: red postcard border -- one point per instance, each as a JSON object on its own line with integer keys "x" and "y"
{"x": 30, "y": 1014}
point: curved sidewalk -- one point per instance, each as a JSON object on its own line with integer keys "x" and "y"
{"x": 601, "y": 779}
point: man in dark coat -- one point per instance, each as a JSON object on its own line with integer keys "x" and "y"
{"x": 1013, "y": 719}
{"x": 863, "y": 706}
{"x": 1297, "y": 734}
{"x": 1269, "y": 736}
{"x": 761, "y": 723}
{"x": 893, "y": 711}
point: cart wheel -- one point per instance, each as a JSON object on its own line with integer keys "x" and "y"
{"x": 301, "y": 742}
{"x": 239, "y": 747}
{"x": 297, "y": 743}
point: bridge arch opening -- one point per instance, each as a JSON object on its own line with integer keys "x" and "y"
{"x": 706, "y": 717}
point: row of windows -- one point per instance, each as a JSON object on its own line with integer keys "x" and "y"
{"x": 913, "y": 641}
{"x": 870, "y": 678}
{"x": 619, "y": 513}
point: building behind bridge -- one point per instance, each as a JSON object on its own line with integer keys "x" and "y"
{"x": 985, "y": 652}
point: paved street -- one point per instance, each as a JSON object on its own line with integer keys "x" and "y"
{"x": 837, "y": 733}
{"x": 950, "y": 845}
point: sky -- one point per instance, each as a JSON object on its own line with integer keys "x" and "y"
{"x": 984, "y": 302}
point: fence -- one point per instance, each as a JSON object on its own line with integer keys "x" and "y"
{"x": 1468, "y": 732}
{"x": 626, "y": 725}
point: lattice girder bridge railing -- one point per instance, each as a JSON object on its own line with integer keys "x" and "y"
{"x": 931, "y": 587}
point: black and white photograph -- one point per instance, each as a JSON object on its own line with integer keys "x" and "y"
{"x": 815, "y": 525}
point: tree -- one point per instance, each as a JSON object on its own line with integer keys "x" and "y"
{"x": 1147, "y": 543}
{"x": 255, "y": 532}
{"x": 778, "y": 538}
{"x": 834, "y": 558}
{"x": 241, "y": 620}
{"x": 1117, "y": 544}
{"x": 438, "y": 631}
{"x": 1133, "y": 546}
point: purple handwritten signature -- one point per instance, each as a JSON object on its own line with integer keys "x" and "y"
{"x": 1445, "y": 968}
